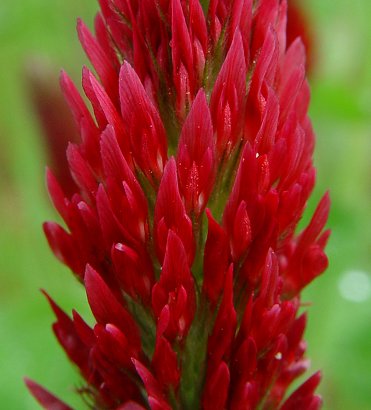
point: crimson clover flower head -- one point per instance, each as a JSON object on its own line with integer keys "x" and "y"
{"x": 192, "y": 173}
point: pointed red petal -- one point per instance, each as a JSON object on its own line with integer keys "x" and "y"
{"x": 199, "y": 36}
{"x": 74, "y": 100}
{"x": 195, "y": 158}
{"x": 165, "y": 360}
{"x": 143, "y": 124}
{"x": 100, "y": 60}
{"x": 63, "y": 247}
{"x": 68, "y": 337}
{"x": 216, "y": 390}
{"x": 241, "y": 18}
{"x": 131, "y": 405}
{"x": 242, "y": 236}
{"x": 156, "y": 397}
{"x": 105, "y": 106}
{"x": 81, "y": 171}
{"x": 182, "y": 57}
{"x": 220, "y": 341}
{"x": 317, "y": 222}
{"x": 47, "y": 400}
{"x": 216, "y": 261}
{"x": 107, "y": 309}
{"x": 175, "y": 288}
{"x": 170, "y": 214}
{"x": 303, "y": 397}
{"x": 228, "y": 98}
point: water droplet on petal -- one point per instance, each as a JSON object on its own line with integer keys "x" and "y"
{"x": 278, "y": 356}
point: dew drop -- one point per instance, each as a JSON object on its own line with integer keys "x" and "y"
{"x": 278, "y": 356}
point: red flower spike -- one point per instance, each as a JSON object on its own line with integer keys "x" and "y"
{"x": 170, "y": 214}
{"x": 195, "y": 160}
{"x": 189, "y": 317}
{"x": 142, "y": 124}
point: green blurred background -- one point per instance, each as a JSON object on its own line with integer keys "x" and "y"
{"x": 339, "y": 330}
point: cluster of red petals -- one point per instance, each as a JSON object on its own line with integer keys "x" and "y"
{"x": 192, "y": 175}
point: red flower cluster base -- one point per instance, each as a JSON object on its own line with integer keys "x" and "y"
{"x": 191, "y": 177}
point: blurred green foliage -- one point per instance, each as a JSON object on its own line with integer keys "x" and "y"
{"x": 339, "y": 330}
